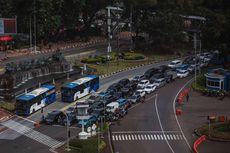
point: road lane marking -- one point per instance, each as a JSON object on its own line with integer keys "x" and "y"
{"x": 152, "y": 137}
{"x": 178, "y": 138}
{"x": 129, "y": 137}
{"x": 146, "y": 137}
{"x": 135, "y": 137}
{"x": 30, "y": 133}
{"x": 171, "y": 137}
{"x": 159, "y": 120}
{"x": 174, "y": 110}
{"x": 127, "y": 132}
{"x": 162, "y": 137}
{"x": 155, "y": 137}
{"x": 142, "y": 137}
{"x": 132, "y": 137}
{"x": 168, "y": 137}
{"x": 158, "y": 137}
{"x": 113, "y": 137}
{"x": 126, "y": 138}
{"x": 174, "y": 137}
{"x": 122, "y": 136}
{"x": 149, "y": 137}
{"x": 119, "y": 137}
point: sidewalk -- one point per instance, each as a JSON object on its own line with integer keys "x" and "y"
{"x": 195, "y": 113}
{"x": 4, "y": 115}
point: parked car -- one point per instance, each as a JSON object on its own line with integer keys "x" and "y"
{"x": 159, "y": 83}
{"x": 54, "y": 117}
{"x": 128, "y": 89}
{"x": 182, "y": 73}
{"x": 134, "y": 99}
{"x": 175, "y": 63}
{"x": 138, "y": 78}
{"x": 150, "y": 88}
{"x": 143, "y": 84}
{"x": 71, "y": 109}
{"x": 140, "y": 92}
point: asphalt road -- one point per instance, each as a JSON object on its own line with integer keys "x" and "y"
{"x": 27, "y": 143}
{"x": 151, "y": 127}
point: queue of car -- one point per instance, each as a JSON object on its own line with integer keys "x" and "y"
{"x": 113, "y": 103}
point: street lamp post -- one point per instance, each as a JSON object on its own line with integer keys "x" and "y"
{"x": 68, "y": 131}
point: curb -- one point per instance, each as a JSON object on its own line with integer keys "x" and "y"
{"x": 134, "y": 67}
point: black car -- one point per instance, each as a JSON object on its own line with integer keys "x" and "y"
{"x": 124, "y": 82}
{"x": 128, "y": 89}
{"x": 55, "y": 117}
{"x": 115, "y": 87}
{"x": 93, "y": 98}
{"x": 72, "y": 118}
{"x": 109, "y": 98}
{"x": 149, "y": 73}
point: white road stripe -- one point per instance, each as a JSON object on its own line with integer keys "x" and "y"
{"x": 174, "y": 137}
{"x": 129, "y": 137}
{"x": 119, "y": 137}
{"x": 142, "y": 137}
{"x": 158, "y": 137}
{"x": 116, "y": 137}
{"x": 168, "y": 137}
{"x": 126, "y": 138}
{"x": 152, "y": 137}
{"x": 135, "y": 137}
{"x": 155, "y": 137}
{"x": 146, "y": 137}
{"x": 181, "y": 137}
{"x": 132, "y": 137}
{"x": 139, "y": 137}
{"x": 149, "y": 137}
{"x": 162, "y": 137}
{"x": 171, "y": 137}
{"x": 178, "y": 138}
{"x": 122, "y": 136}
{"x": 113, "y": 137}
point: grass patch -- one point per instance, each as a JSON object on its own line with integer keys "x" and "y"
{"x": 87, "y": 146}
{"x": 219, "y": 131}
{"x": 133, "y": 56}
{"x": 199, "y": 85}
{"x": 10, "y": 106}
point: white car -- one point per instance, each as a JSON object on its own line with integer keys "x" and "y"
{"x": 182, "y": 73}
{"x": 140, "y": 92}
{"x": 159, "y": 82}
{"x": 143, "y": 84}
{"x": 150, "y": 88}
{"x": 175, "y": 63}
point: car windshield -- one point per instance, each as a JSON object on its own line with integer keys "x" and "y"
{"x": 172, "y": 63}
{"x": 70, "y": 109}
{"x": 51, "y": 116}
{"x": 148, "y": 87}
{"x": 157, "y": 82}
{"x": 133, "y": 97}
{"x": 142, "y": 82}
{"x": 136, "y": 77}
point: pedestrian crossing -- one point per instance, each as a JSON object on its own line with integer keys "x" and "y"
{"x": 147, "y": 137}
{"x": 30, "y": 133}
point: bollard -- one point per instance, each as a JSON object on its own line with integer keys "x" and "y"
{"x": 178, "y": 111}
{"x": 37, "y": 124}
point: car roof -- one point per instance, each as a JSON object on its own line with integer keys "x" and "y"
{"x": 112, "y": 104}
{"x": 55, "y": 112}
{"x": 182, "y": 70}
{"x": 160, "y": 79}
{"x": 144, "y": 80}
{"x": 175, "y": 61}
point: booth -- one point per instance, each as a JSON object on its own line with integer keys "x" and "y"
{"x": 217, "y": 79}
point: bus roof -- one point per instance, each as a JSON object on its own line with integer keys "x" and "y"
{"x": 36, "y": 92}
{"x": 80, "y": 81}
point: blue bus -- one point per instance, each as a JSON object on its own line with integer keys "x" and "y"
{"x": 79, "y": 88}
{"x": 31, "y": 102}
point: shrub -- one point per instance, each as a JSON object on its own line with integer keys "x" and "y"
{"x": 10, "y": 106}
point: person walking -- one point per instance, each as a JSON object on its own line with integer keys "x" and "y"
{"x": 187, "y": 97}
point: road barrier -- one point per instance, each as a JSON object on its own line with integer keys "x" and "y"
{"x": 179, "y": 111}
{"x": 198, "y": 142}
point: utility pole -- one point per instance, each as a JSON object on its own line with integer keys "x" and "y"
{"x": 30, "y": 33}
{"x": 35, "y": 41}
{"x": 130, "y": 28}
{"x": 195, "y": 44}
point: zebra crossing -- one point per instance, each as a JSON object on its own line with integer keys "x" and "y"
{"x": 146, "y": 136}
{"x": 30, "y": 133}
